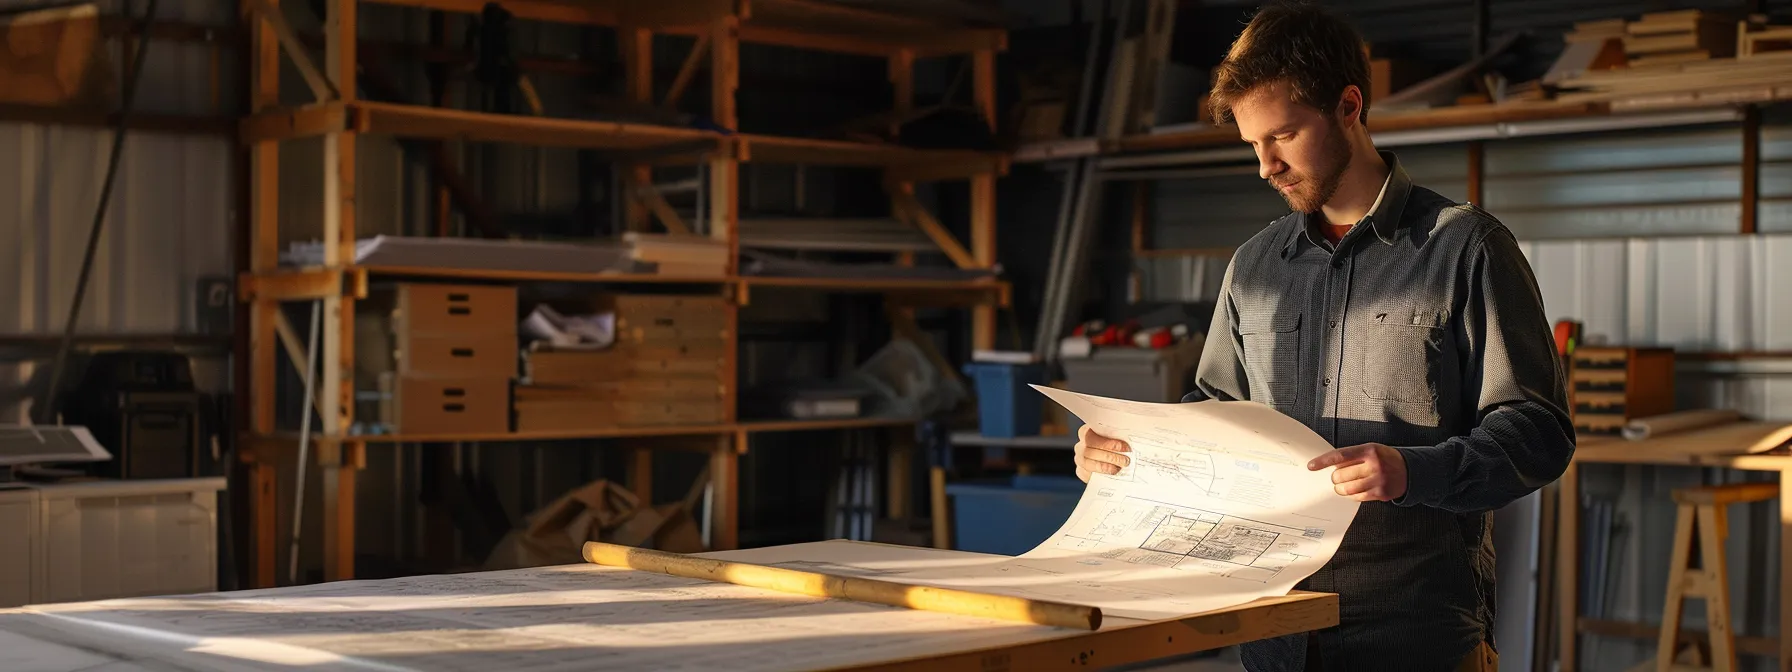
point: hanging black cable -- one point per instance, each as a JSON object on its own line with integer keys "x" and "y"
{"x": 47, "y": 410}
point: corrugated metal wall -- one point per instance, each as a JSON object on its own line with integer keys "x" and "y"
{"x": 168, "y": 224}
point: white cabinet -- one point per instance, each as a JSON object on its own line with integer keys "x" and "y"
{"x": 19, "y": 545}
{"x": 109, "y": 539}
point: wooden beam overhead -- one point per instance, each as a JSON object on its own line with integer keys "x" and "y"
{"x": 296, "y": 354}
{"x": 662, "y": 210}
{"x": 139, "y": 121}
{"x": 432, "y": 122}
{"x": 802, "y": 24}
{"x": 550, "y": 11}
{"x": 942, "y": 163}
{"x": 302, "y": 285}
{"x": 687, "y": 71}
{"x": 658, "y": 14}
{"x": 1464, "y": 115}
{"x": 910, "y": 210}
{"x": 321, "y": 88}
{"x": 294, "y": 123}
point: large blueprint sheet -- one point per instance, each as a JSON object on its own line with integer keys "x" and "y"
{"x": 560, "y": 619}
{"x": 1216, "y": 508}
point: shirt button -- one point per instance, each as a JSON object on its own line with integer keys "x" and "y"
{"x": 1334, "y": 324}
{"x": 1326, "y": 382}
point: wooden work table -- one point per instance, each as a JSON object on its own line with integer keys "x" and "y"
{"x": 598, "y": 617}
{"x": 1749, "y": 446}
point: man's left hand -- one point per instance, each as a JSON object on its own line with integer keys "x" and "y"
{"x": 1370, "y": 472}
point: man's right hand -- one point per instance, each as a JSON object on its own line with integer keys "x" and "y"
{"x": 1099, "y": 454}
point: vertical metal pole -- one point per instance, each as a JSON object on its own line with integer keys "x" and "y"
{"x": 298, "y": 495}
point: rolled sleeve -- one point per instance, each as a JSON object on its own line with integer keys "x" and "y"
{"x": 1524, "y": 438}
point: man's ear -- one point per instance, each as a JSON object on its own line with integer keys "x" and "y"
{"x": 1350, "y": 106}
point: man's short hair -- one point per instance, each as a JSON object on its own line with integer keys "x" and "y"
{"x": 1314, "y": 51}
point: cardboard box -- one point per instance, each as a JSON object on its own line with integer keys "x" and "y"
{"x": 428, "y": 405}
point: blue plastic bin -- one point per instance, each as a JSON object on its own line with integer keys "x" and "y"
{"x": 1011, "y": 516}
{"x": 1006, "y": 407}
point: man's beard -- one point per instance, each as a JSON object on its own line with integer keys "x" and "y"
{"x": 1315, "y": 190}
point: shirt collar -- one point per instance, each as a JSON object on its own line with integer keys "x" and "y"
{"x": 1384, "y": 216}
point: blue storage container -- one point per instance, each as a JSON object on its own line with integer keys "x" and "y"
{"x": 1011, "y": 516}
{"x": 1006, "y": 407}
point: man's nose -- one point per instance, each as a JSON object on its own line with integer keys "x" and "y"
{"x": 1268, "y": 164}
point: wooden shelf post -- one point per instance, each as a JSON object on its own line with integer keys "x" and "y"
{"x": 983, "y": 198}
{"x": 724, "y": 221}
{"x": 637, "y": 59}
{"x": 338, "y": 459}
{"x": 264, "y": 254}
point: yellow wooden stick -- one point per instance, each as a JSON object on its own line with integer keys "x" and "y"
{"x": 861, "y": 589}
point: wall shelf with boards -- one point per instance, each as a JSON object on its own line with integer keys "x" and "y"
{"x": 346, "y": 277}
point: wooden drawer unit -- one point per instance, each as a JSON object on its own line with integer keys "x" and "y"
{"x": 457, "y": 355}
{"x": 440, "y": 309}
{"x": 445, "y": 405}
{"x": 455, "y": 331}
{"x": 1608, "y": 386}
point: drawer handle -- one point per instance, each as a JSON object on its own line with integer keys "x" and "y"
{"x": 454, "y": 392}
{"x": 459, "y": 310}
{"x": 454, "y": 408}
{"x": 461, "y": 352}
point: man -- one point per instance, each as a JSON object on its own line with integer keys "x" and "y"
{"x": 1405, "y": 329}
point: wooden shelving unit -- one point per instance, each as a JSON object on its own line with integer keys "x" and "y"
{"x": 1447, "y": 117}
{"x": 1438, "y": 119}
{"x": 338, "y": 117}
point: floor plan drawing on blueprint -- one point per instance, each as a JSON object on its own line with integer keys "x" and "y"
{"x": 1184, "y": 538}
{"x": 1216, "y": 507}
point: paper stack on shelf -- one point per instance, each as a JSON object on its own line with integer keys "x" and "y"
{"x": 475, "y": 254}
{"x": 680, "y": 255}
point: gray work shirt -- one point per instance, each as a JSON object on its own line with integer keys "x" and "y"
{"x": 1424, "y": 330}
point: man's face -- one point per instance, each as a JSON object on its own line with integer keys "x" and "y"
{"x": 1301, "y": 152}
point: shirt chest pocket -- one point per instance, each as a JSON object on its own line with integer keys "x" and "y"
{"x": 1404, "y": 355}
{"x": 1272, "y": 357}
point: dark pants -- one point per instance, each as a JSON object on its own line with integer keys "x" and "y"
{"x": 1482, "y": 659}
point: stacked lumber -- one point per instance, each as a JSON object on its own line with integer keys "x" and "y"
{"x": 1675, "y": 59}
{"x": 1754, "y": 39}
{"x": 665, "y": 367}
{"x": 1678, "y": 37}
{"x": 1592, "y": 45}
{"x": 1712, "y": 81}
